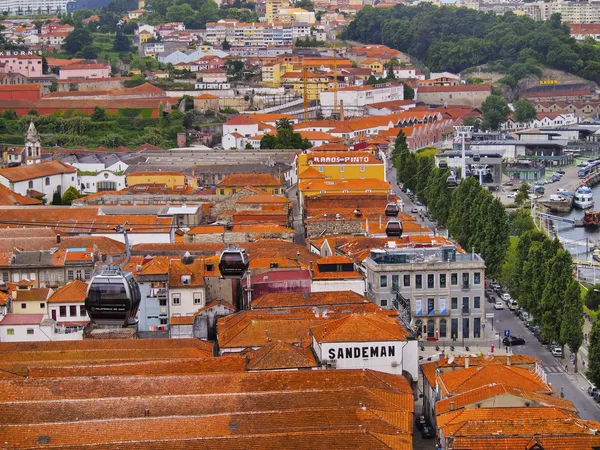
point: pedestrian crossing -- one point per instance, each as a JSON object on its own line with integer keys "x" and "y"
{"x": 553, "y": 369}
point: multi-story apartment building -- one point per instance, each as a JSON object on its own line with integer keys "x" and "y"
{"x": 587, "y": 11}
{"x": 439, "y": 291}
{"x": 258, "y": 34}
{"x": 272, "y": 8}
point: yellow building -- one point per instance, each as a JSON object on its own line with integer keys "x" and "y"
{"x": 170, "y": 179}
{"x": 234, "y": 183}
{"x": 296, "y": 15}
{"x": 30, "y": 300}
{"x": 145, "y": 36}
{"x": 271, "y": 74}
{"x": 272, "y": 8}
{"x": 204, "y": 47}
{"x": 373, "y": 65}
{"x": 141, "y": 4}
{"x": 359, "y": 165}
{"x": 315, "y": 83}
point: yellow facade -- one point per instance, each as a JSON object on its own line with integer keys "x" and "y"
{"x": 31, "y": 306}
{"x": 170, "y": 179}
{"x": 271, "y": 75}
{"x": 374, "y": 66}
{"x": 204, "y": 47}
{"x": 272, "y": 8}
{"x": 141, "y": 4}
{"x": 145, "y": 36}
{"x": 230, "y": 190}
{"x": 342, "y": 165}
{"x": 315, "y": 84}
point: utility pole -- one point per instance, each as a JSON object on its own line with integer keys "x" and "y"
{"x": 335, "y": 84}
{"x": 463, "y": 132}
{"x": 305, "y": 90}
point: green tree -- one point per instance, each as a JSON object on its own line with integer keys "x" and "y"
{"x": 90, "y": 52}
{"x": 439, "y": 196}
{"x": 32, "y": 112}
{"x": 305, "y": 4}
{"x": 559, "y": 276}
{"x": 99, "y": 114}
{"x": 409, "y": 92}
{"x": 524, "y": 111}
{"x": 522, "y": 195}
{"x": 495, "y": 112}
{"x": 53, "y": 86}
{"x": 70, "y": 195}
{"x": 56, "y": 198}
{"x": 77, "y": 40}
{"x": 571, "y": 328}
{"x": 121, "y": 43}
{"x": 226, "y": 46}
{"x": 593, "y": 371}
{"x": 592, "y": 297}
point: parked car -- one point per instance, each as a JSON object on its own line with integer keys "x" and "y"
{"x": 420, "y": 422}
{"x": 562, "y": 172}
{"x": 542, "y": 340}
{"x": 498, "y": 305}
{"x": 491, "y": 299}
{"x": 513, "y": 340}
{"x": 511, "y": 195}
{"x": 597, "y": 396}
{"x": 506, "y": 297}
{"x": 592, "y": 390}
{"x": 557, "y": 352}
{"x": 427, "y": 432}
{"x": 414, "y": 210}
{"x": 418, "y": 203}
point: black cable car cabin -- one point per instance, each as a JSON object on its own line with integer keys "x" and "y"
{"x": 233, "y": 262}
{"x": 113, "y": 298}
{"x": 393, "y": 228}
{"x": 443, "y": 165}
{"x": 392, "y": 210}
{"x": 476, "y": 157}
{"x": 451, "y": 181}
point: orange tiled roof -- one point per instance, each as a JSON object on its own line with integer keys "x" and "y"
{"x": 302, "y": 300}
{"x": 360, "y": 328}
{"x": 249, "y": 179}
{"x": 195, "y": 271}
{"x": 241, "y": 120}
{"x": 33, "y": 294}
{"x": 74, "y": 292}
{"x": 23, "y": 173}
{"x": 281, "y": 356}
{"x": 263, "y": 199}
{"x": 338, "y": 185}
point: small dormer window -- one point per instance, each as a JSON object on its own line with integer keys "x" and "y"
{"x": 186, "y": 279}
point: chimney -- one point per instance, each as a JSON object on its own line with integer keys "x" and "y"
{"x": 451, "y": 406}
{"x": 58, "y": 238}
{"x": 466, "y": 362}
{"x": 341, "y": 110}
{"x": 508, "y": 360}
{"x": 298, "y": 257}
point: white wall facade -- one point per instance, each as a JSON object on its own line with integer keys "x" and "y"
{"x": 47, "y": 185}
{"x": 355, "y": 285}
{"x": 104, "y": 177}
{"x": 384, "y": 356}
{"x": 245, "y": 130}
{"x": 54, "y": 311}
{"x": 20, "y": 333}
{"x": 190, "y": 300}
{"x": 355, "y": 101}
{"x": 140, "y": 238}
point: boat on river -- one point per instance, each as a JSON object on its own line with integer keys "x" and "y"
{"x": 583, "y": 198}
{"x": 591, "y": 219}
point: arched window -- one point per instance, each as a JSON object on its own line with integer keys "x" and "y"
{"x": 47, "y": 181}
{"x": 430, "y": 328}
{"x": 30, "y": 184}
{"x": 443, "y": 328}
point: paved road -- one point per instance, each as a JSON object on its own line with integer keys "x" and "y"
{"x": 574, "y": 385}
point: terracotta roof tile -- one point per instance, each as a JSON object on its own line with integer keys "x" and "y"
{"x": 22, "y": 173}
{"x": 33, "y": 294}
{"x": 186, "y": 275}
{"x": 308, "y": 299}
{"x": 241, "y": 120}
{"x": 74, "y": 292}
{"x": 8, "y": 197}
{"x": 360, "y": 328}
{"x": 279, "y": 356}
{"x": 249, "y": 179}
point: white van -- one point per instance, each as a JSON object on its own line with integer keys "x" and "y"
{"x": 513, "y": 305}
{"x": 557, "y": 197}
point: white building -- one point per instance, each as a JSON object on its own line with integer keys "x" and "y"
{"x": 187, "y": 289}
{"x": 543, "y": 120}
{"x": 45, "y": 178}
{"x": 405, "y": 73}
{"x": 356, "y": 98}
{"x": 22, "y": 7}
{"x": 336, "y": 273}
{"x": 67, "y": 307}
{"x": 214, "y": 79}
{"x": 243, "y": 125}
{"x": 382, "y": 344}
{"x": 98, "y": 172}
{"x": 571, "y": 11}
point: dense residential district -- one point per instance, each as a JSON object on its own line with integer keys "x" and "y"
{"x": 310, "y": 224}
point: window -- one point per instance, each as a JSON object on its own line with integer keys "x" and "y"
{"x": 443, "y": 328}
{"x": 31, "y": 185}
{"x": 442, "y": 280}
{"x": 82, "y": 311}
{"x": 162, "y": 301}
{"x": 465, "y": 304}
{"x": 465, "y": 279}
{"x": 78, "y": 274}
{"x": 395, "y": 282}
{"x": 73, "y": 311}
{"x": 88, "y": 274}
{"x": 453, "y": 279}
{"x": 321, "y": 169}
{"x": 342, "y": 168}
{"x": 275, "y": 191}
{"x": 62, "y": 311}
{"x": 197, "y": 298}
{"x": 70, "y": 275}
{"x": 418, "y": 281}
{"x": 477, "y": 327}
{"x": 454, "y": 328}
{"x": 476, "y": 302}
{"x": 163, "y": 321}
{"x": 383, "y": 281}
{"x": 477, "y": 278}
{"x": 454, "y": 303}
{"x": 430, "y": 281}
{"x": 222, "y": 191}
{"x": 42, "y": 305}
{"x": 23, "y": 305}
{"x": 176, "y": 299}
{"x": 10, "y": 331}
{"x": 383, "y": 302}
{"x": 47, "y": 181}
{"x": 233, "y": 190}
{"x": 406, "y": 280}
{"x": 29, "y": 330}
{"x": 430, "y": 306}
{"x": 362, "y": 168}
{"x": 465, "y": 330}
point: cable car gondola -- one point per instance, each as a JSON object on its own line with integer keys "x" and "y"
{"x": 476, "y": 157}
{"x": 393, "y": 228}
{"x": 113, "y": 298}
{"x": 392, "y": 210}
{"x": 451, "y": 181}
{"x": 443, "y": 165}
{"x": 233, "y": 262}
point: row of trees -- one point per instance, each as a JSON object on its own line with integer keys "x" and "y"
{"x": 455, "y": 39}
{"x": 474, "y": 217}
{"x": 539, "y": 273}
